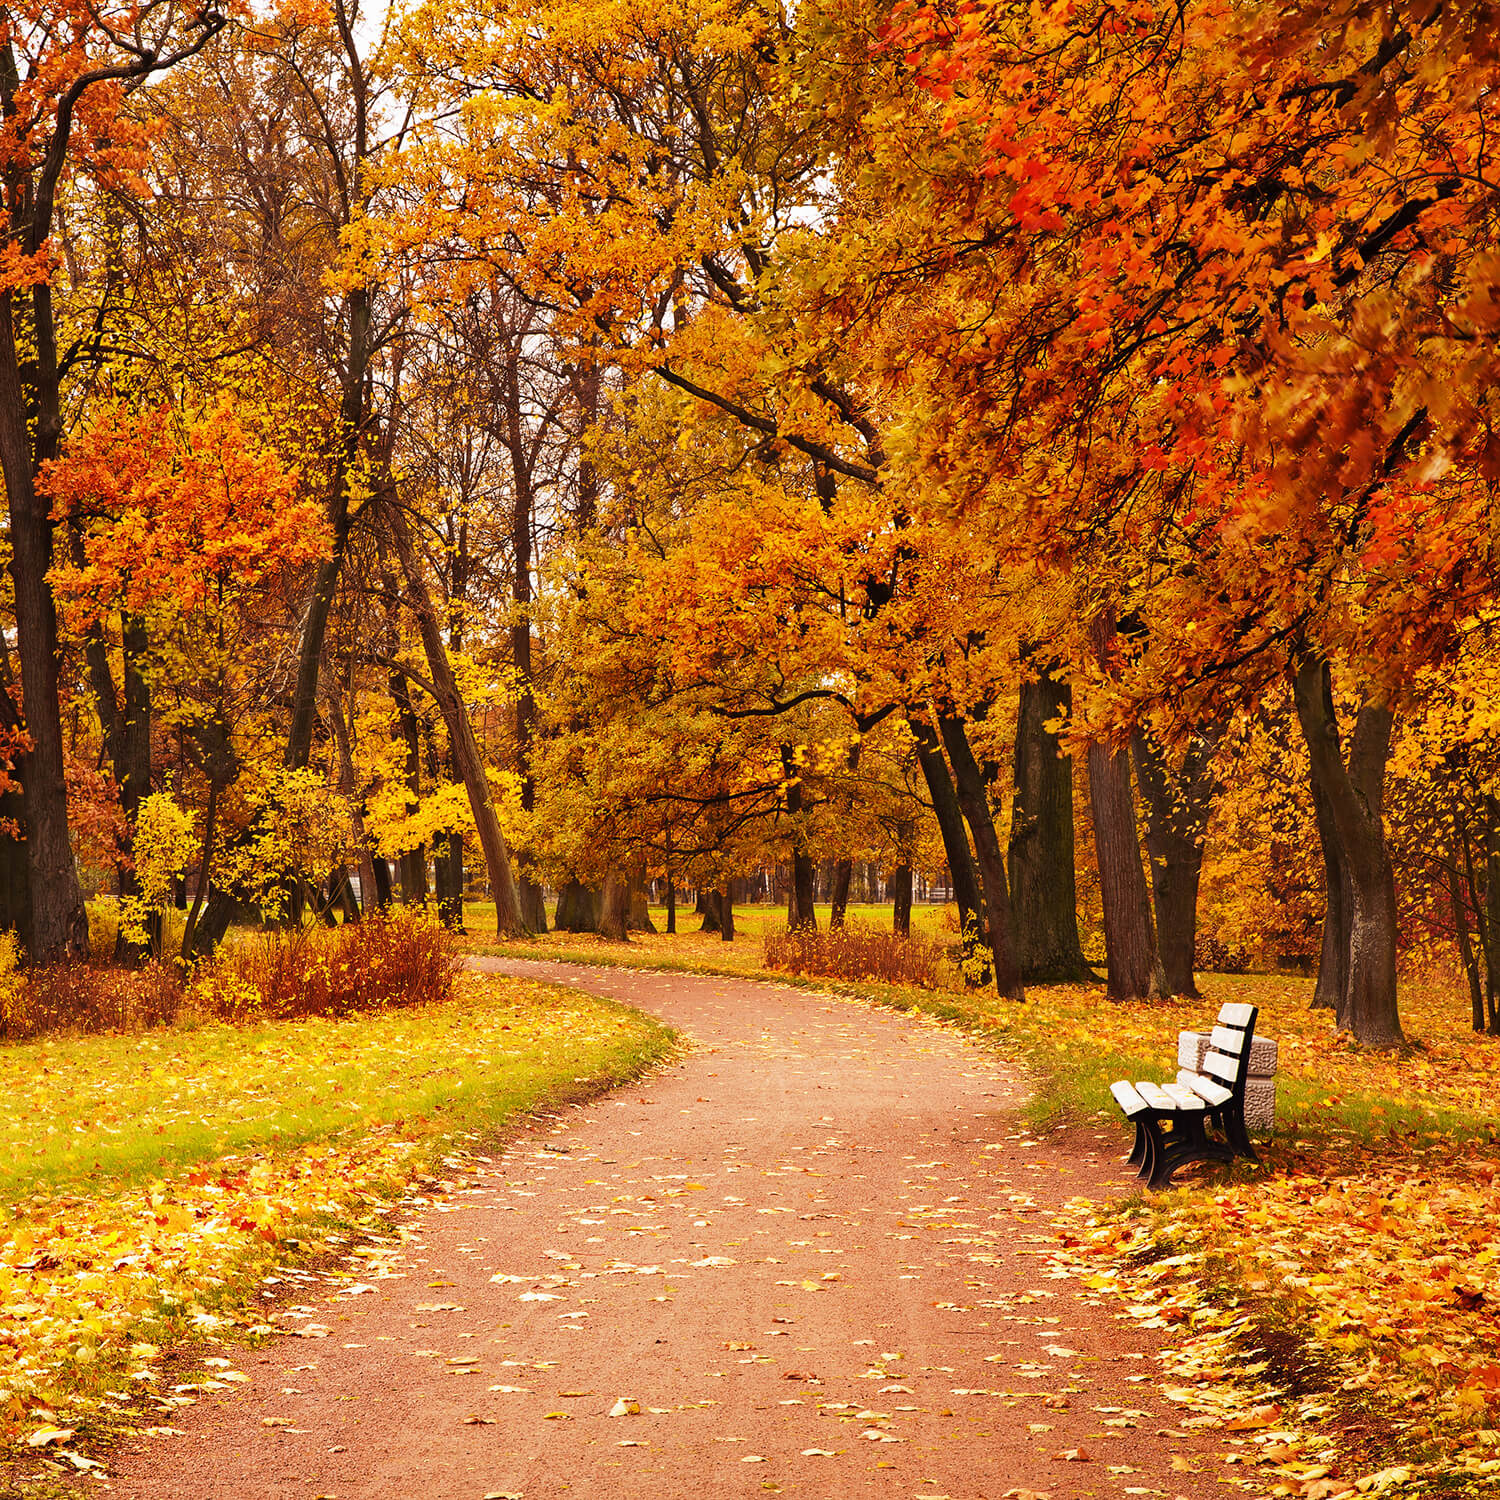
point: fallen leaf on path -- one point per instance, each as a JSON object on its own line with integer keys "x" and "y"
{"x": 45, "y": 1435}
{"x": 1076, "y": 1456}
{"x": 625, "y": 1407}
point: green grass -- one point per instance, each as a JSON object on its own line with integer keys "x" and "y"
{"x": 117, "y": 1109}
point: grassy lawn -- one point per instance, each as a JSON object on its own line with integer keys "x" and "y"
{"x": 148, "y": 1178}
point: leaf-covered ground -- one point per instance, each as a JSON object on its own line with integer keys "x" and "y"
{"x": 152, "y": 1177}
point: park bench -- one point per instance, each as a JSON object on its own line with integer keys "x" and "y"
{"x": 1172, "y": 1120}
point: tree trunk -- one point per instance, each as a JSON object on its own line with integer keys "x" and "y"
{"x": 449, "y": 860}
{"x": 710, "y": 907}
{"x": 614, "y": 907}
{"x": 369, "y": 885}
{"x": 950, "y": 821}
{"x": 1368, "y": 1007}
{"x": 726, "y": 912}
{"x": 800, "y": 913}
{"x": 315, "y": 626}
{"x": 1338, "y": 905}
{"x": 1043, "y": 891}
{"x": 1133, "y": 967}
{"x": 1458, "y": 899}
{"x": 901, "y": 888}
{"x": 973, "y": 799}
{"x": 671, "y": 905}
{"x": 638, "y": 916}
{"x": 380, "y": 871}
{"x": 59, "y": 923}
{"x": 1178, "y": 804}
{"x": 190, "y": 947}
{"x": 577, "y": 907}
{"x": 508, "y": 921}
{"x": 842, "y": 874}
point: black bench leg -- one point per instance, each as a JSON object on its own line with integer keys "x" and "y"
{"x": 1188, "y": 1142}
{"x": 1138, "y": 1148}
{"x": 1239, "y": 1137}
{"x": 1155, "y": 1146}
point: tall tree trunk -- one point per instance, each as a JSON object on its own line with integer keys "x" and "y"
{"x": 411, "y": 864}
{"x": 950, "y": 821}
{"x": 1338, "y": 906}
{"x": 1178, "y": 805}
{"x": 726, "y": 912}
{"x": 190, "y": 948}
{"x": 369, "y": 886}
{"x": 1460, "y": 895}
{"x": 1133, "y": 967}
{"x": 801, "y": 913}
{"x": 1368, "y": 1006}
{"x": 508, "y": 921}
{"x": 59, "y": 923}
{"x": 671, "y": 905}
{"x": 1490, "y": 926}
{"x": 710, "y": 907}
{"x": 901, "y": 896}
{"x": 352, "y": 421}
{"x": 577, "y": 907}
{"x": 1043, "y": 889}
{"x": 973, "y": 799}
{"x": 614, "y": 907}
{"x": 843, "y": 873}
{"x": 638, "y": 905}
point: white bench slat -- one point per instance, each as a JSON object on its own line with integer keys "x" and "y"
{"x": 1185, "y": 1099}
{"x": 1127, "y": 1098}
{"x": 1156, "y": 1096}
{"x": 1227, "y": 1068}
{"x": 1227, "y": 1040}
{"x": 1205, "y": 1088}
{"x": 1235, "y": 1014}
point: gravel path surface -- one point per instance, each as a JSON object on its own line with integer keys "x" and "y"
{"x": 809, "y": 1257}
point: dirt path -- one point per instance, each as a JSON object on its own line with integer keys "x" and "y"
{"x": 812, "y": 1251}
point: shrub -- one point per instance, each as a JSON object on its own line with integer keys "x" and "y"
{"x": 859, "y": 952}
{"x": 83, "y": 997}
{"x": 398, "y": 958}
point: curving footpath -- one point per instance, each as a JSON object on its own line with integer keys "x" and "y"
{"x": 809, "y": 1257}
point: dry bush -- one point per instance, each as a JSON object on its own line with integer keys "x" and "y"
{"x": 859, "y": 952}
{"x": 88, "y": 997}
{"x": 399, "y": 958}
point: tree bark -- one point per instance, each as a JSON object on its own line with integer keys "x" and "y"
{"x": 1338, "y": 905}
{"x": 1043, "y": 887}
{"x": 843, "y": 873}
{"x": 577, "y": 907}
{"x": 614, "y": 907}
{"x": 800, "y": 913}
{"x": 59, "y": 923}
{"x": 1368, "y": 1006}
{"x": 671, "y": 905}
{"x": 1178, "y": 805}
{"x": 1133, "y": 967}
{"x": 352, "y": 420}
{"x": 950, "y": 821}
{"x": 901, "y": 897}
{"x": 508, "y": 921}
{"x": 726, "y": 912}
{"x": 973, "y": 799}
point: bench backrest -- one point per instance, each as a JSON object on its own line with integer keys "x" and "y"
{"x": 1228, "y": 1055}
